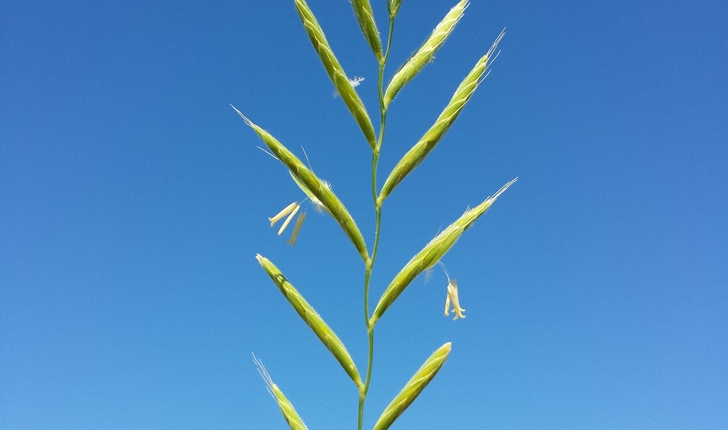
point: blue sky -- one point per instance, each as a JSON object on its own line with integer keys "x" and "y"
{"x": 133, "y": 201}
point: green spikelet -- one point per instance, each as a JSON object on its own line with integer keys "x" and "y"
{"x": 427, "y": 143}
{"x": 413, "y": 388}
{"x": 426, "y": 52}
{"x": 431, "y": 254}
{"x": 289, "y": 413}
{"x": 365, "y": 18}
{"x": 336, "y": 72}
{"x": 313, "y": 320}
{"x": 393, "y": 8}
{"x": 315, "y": 186}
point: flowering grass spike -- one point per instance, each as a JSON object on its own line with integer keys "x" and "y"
{"x": 320, "y": 194}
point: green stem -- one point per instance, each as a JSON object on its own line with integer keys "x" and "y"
{"x": 377, "y": 225}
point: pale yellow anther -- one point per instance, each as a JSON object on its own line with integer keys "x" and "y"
{"x": 289, "y": 210}
{"x": 452, "y": 298}
{"x": 288, "y": 220}
{"x": 297, "y": 228}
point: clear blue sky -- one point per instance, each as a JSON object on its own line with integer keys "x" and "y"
{"x": 133, "y": 201}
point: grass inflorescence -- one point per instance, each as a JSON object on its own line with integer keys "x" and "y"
{"x": 320, "y": 193}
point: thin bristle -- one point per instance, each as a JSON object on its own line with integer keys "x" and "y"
{"x": 268, "y": 153}
{"x": 264, "y": 374}
{"x": 245, "y": 118}
{"x": 495, "y": 45}
{"x": 444, "y": 269}
{"x": 503, "y": 188}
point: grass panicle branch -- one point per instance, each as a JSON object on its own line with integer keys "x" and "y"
{"x": 313, "y": 320}
{"x": 336, "y": 72}
{"x": 426, "y": 52}
{"x": 316, "y": 186}
{"x": 431, "y": 254}
{"x": 413, "y": 388}
{"x": 442, "y": 124}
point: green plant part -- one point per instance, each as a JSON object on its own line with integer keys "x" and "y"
{"x": 312, "y": 319}
{"x": 413, "y": 388}
{"x": 432, "y": 253}
{"x": 335, "y": 71}
{"x": 320, "y": 194}
{"x": 289, "y": 412}
{"x": 307, "y": 180}
{"x": 426, "y": 53}
{"x": 442, "y": 124}
{"x": 365, "y": 17}
{"x": 393, "y": 8}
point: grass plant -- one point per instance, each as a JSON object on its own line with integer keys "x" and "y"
{"x": 319, "y": 192}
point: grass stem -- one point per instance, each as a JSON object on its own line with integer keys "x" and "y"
{"x": 378, "y": 220}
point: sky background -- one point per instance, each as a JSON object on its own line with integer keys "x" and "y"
{"x": 133, "y": 201}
